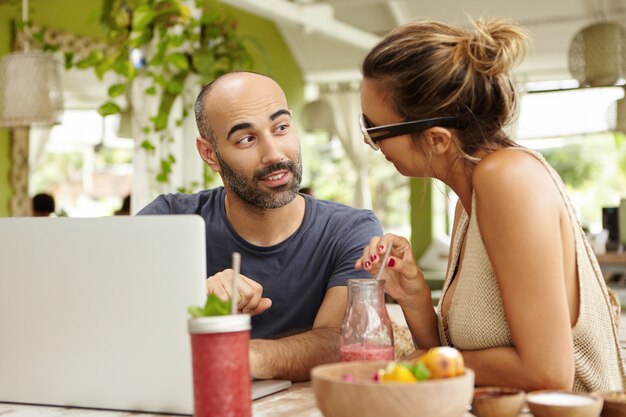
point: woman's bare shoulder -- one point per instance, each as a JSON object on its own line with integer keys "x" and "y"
{"x": 511, "y": 171}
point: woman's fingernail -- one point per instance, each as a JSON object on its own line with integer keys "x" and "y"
{"x": 391, "y": 262}
{"x": 374, "y": 257}
{"x": 381, "y": 248}
{"x": 367, "y": 264}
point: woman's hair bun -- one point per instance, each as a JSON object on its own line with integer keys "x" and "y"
{"x": 495, "y": 46}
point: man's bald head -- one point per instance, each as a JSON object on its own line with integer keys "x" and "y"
{"x": 204, "y": 127}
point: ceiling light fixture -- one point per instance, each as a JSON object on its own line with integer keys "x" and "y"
{"x": 30, "y": 87}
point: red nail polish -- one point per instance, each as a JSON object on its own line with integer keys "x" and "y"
{"x": 381, "y": 248}
{"x": 367, "y": 264}
{"x": 374, "y": 257}
{"x": 391, "y": 262}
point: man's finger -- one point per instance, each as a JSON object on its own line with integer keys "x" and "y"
{"x": 264, "y": 304}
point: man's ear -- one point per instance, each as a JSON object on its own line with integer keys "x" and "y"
{"x": 207, "y": 153}
{"x": 439, "y": 140}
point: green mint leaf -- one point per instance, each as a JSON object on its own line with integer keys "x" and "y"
{"x": 213, "y": 307}
{"x": 195, "y": 311}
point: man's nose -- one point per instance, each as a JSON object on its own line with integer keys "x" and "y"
{"x": 271, "y": 150}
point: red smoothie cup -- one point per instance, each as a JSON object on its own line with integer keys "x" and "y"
{"x": 221, "y": 370}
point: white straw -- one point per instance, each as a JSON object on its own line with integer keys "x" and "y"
{"x": 234, "y": 297}
{"x": 384, "y": 263}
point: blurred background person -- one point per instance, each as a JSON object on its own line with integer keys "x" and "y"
{"x": 124, "y": 210}
{"x": 43, "y": 205}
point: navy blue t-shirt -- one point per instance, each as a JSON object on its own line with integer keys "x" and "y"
{"x": 295, "y": 273}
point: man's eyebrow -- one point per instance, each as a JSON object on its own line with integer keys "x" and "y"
{"x": 247, "y": 125}
{"x": 239, "y": 126}
{"x": 279, "y": 113}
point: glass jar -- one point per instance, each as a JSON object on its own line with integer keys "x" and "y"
{"x": 366, "y": 332}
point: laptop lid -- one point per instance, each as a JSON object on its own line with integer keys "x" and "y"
{"x": 93, "y": 312}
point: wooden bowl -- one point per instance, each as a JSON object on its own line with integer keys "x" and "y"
{"x": 497, "y": 402}
{"x": 364, "y": 397}
{"x": 563, "y": 404}
{"x": 614, "y": 403}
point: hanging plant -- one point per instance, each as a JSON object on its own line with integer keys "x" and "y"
{"x": 165, "y": 41}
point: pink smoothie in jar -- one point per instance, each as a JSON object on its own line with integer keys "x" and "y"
{"x": 360, "y": 352}
{"x": 221, "y": 371}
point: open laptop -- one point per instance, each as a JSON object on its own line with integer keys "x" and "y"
{"x": 93, "y": 312}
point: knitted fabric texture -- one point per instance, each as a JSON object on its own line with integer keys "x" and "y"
{"x": 475, "y": 319}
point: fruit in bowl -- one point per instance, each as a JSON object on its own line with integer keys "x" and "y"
{"x": 360, "y": 389}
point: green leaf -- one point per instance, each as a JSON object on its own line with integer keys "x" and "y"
{"x": 166, "y": 166}
{"x": 162, "y": 178}
{"x": 142, "y": 17}
{"x": 146, "y": 130}
{"x": 39, "y": 36}
{"x": 179, "y": 60}
{"x": 157, "y": 60}
{"x": 151, "y": 91}
{"x": 90, "y": 60}
{"x": 117, "y": 90}
{"x": 174, "y": 86}
{"x": 216, "y": 307}
{"x": 160, "y": 121}
{"x": 139, "y": 37}
{"x": 109, "y": 108}
{"x": 147, "y": 145}
{"x": 68, "y": 57}
{"x": 202, "y": 61}
{"x": 195, "y": 311}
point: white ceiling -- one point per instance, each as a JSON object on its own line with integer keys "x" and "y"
{"x": 329, "y": 38}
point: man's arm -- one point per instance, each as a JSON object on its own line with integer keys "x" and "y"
{"x": 293, "y": 357}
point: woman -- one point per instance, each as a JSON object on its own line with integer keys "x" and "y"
{"x": 523, "y": 300}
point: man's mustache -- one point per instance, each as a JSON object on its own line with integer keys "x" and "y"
{"x": 278, "y": 166}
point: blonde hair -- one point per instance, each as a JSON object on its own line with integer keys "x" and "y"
{"x": 433, "y": 69}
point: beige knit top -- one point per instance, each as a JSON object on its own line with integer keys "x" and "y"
{"x": 475, "y": 319}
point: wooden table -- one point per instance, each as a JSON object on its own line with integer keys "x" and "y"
{"x": 297, "y": 401}
{"x": 612, "y": 263}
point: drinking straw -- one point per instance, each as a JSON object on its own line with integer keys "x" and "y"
{"x": 384, "y": 263}
{"x": 233, "y": 298}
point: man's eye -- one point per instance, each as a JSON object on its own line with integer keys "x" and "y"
{"x": 246, "y": 140}
{"x": 282, "y": 127}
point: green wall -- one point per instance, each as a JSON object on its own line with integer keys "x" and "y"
{"x": 421, "y": 215}
{"x": 5, "y": 189}
{"x": 270, "y": 53}
{"x": 82, "y": 18}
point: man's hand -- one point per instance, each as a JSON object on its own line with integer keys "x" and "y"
{"x": 248, "y": 292}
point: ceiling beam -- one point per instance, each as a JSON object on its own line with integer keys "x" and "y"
{"x": 312, "y": 17}
{"x": 398, "y": 12}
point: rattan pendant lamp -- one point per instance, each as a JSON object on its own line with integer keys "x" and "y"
{"x": 597, "y": 55}
{"x": 30, "y": 87}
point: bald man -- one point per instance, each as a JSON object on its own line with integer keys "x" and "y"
{"x": 297, "y": 252}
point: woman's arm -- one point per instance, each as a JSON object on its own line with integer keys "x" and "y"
{"x": 519, "y": 212}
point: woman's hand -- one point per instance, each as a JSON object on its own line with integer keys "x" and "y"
{"x": 403, "y": 278}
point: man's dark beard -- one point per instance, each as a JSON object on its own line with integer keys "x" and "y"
{"x": 250, "y": 192}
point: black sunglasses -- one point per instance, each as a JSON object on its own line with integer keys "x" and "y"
{"x": 372, "y": 134}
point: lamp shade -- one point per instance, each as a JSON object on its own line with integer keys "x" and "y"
{"x": 597, "y": 54}
{"x": 30, "y": 90}
{"x": 318, "y": 115}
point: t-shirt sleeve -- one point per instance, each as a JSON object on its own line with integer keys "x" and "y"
{"x": 159, "y": 205}
{"x": 354, "y": 236}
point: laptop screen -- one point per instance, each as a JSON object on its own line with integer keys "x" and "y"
{"x": 93, "y": 312}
